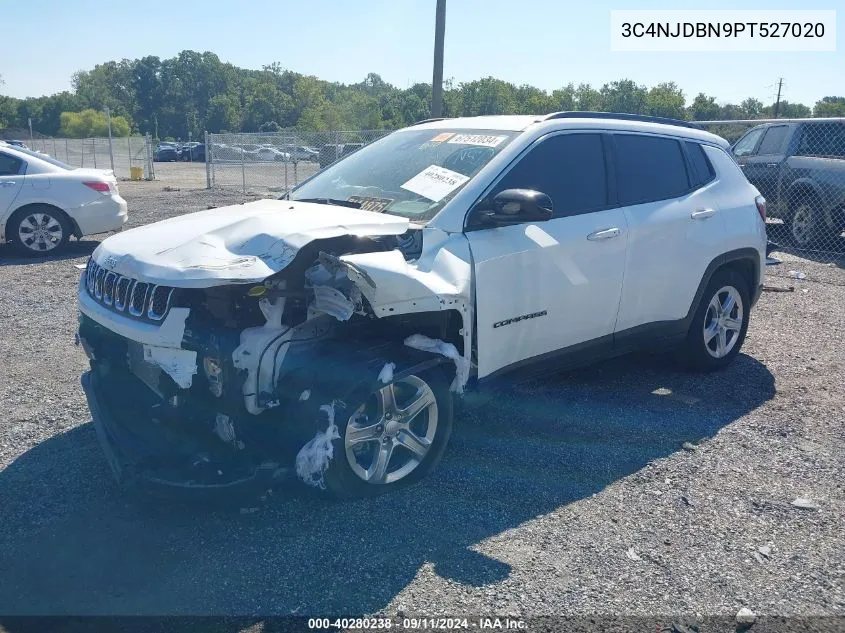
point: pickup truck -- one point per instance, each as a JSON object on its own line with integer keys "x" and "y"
{"x": 799, "y": 167}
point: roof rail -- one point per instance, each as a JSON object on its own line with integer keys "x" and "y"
{"x": 442, "y": 118}
{"x": 622, "y": 116}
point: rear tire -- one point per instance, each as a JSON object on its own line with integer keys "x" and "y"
{"x": 38, "y": 230}
{"x": 373, "y": 428}
{"x": 805, "y": 223}
{"x": 720, "y": 323}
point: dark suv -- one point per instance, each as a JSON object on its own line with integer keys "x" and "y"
{"x": 799, "y": 167}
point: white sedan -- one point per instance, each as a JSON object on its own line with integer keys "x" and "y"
{"x": 269, "y": 153}
{"x": 44, "y": 201}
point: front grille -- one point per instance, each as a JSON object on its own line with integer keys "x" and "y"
{"x": 125, "y": 295}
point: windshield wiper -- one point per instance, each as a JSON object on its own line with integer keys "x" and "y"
{"x": 335, "y": 201}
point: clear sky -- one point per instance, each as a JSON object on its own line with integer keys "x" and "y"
{"x": 545, "y": 43}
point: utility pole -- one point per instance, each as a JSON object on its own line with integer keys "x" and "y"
{"x": 777, "y": 103}
{"x": 437, "y": 80}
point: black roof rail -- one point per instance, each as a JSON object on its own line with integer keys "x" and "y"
{"x": 442, "y": 118}
{"x": 622, "y": 116}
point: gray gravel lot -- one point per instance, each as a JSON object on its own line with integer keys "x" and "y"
{"x": 567, "y": 495}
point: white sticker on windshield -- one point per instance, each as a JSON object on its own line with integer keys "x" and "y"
{"x": 435, "y": 183}
{"x": 485, "y": 140}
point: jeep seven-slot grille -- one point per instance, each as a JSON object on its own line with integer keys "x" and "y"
{"x": 126, "y": 295}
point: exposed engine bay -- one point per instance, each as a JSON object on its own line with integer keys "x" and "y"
{"x": 259, "y": 367}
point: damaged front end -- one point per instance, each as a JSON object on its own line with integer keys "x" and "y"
{"x": 224, "y": 385}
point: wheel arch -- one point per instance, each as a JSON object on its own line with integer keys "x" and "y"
{"x": 74, "y": 227}
{"x": 745, "y": 261}
{"x": 800, "y": 190}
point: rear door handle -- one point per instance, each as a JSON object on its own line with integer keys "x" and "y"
{"x": 603, "y": 234}
{"x": 7, "y": 183}
{"x": 702, "y": 214}
{"x": 771, "y": 164}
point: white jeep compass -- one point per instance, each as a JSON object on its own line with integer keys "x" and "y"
{"x": 326, "y": 333}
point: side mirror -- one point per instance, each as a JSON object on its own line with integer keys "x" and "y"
{"x": 513, "y": 206}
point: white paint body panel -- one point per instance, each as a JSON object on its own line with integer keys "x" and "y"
{"x": 45, "y": 183}
{"x": 549, "y": 266}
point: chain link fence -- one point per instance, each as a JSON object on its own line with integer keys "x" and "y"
{"x": 799, "y": 167}
{"x": 121, "y": 154}
{"x": 273, "y": 163}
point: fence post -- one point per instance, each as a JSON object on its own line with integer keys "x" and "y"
{"x": 295, "y": 161}
{"x": 94, "y": 150}
{"x": 243, "y": 169}
{"x": 67, "y": 153}
{"x": 55, "y": 151}
{"x": 207, "y": 164}
{"x": 209, "y": 149}
{"x": 129, "y": 149}
{"x": 111, "y": 150}
{"x": 82, "y": 144}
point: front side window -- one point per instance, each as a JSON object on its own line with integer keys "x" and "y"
{"x": 649, "y": 168}
{"x": 569, "y": 168}
{"x": 411, "y": 173}
{"x": 773, "y": 140}
{"x": 10, "y": 165}
{"x": 745, "y": 146}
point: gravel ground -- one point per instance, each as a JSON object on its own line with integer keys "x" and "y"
{"x": 570, "y": 495}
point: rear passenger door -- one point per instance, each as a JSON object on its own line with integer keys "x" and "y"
{"x": 547, "y": 286}
{"x": 666, "y": 188}
{"x": 12, "y": 171}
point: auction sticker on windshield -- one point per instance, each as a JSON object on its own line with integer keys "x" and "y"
{"x": 435, "y": 183}
{"x": 485, "y": 140}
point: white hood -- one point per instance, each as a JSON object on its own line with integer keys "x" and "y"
{"x": 243, "y": 243}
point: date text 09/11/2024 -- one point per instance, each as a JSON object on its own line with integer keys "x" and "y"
{"x": 408, "y": 624}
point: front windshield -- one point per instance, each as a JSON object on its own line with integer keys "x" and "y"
{"x": 411, "y": 173}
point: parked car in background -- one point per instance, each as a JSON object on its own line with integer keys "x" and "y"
{"x": 268, "y": 153}
{"x": 799, "y": 167}
{"x": 195, "y": 153}
{"x": 325, "y": 333}
{"x": 186, "y": 150}
{"x": 301, "y": 153}
{"x": 17, "y": 143}
{"x": 44, "y": 201}
{"x": 166, "y": 152}
{"x": 331, "y": 153}
{"x": 223, "y": 152}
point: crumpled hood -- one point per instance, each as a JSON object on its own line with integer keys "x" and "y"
{"x": 242, "y": 243}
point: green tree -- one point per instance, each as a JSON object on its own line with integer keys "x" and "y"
{"x": 829, "y": 106}
{"x": 90, "y": 123}
{"x": 666, "y": 100}
{"x": 751, "y": 108}
{"x": 587, "y": 99}
{"x": 623, "y": 96}
{"x": 704, "y": 108}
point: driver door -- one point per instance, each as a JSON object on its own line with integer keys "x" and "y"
{"x": 548, "y": 287}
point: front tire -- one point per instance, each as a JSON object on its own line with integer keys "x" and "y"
{"x": 38, "y": 230}
{"x": 392, "y": 437}
{"x": 804, "y": 224}
{"x": 720, "y": 323}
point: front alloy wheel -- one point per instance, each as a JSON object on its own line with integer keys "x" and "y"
{"x": 394, "y": 437}
{"x": 802, "y": 226}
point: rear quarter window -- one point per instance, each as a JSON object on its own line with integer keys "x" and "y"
{"x": 10, "y": 165}
{"x": 702, "y": 170}
{"x": 649, "y": 168}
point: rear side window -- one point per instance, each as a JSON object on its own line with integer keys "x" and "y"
{"x": 649, "y": 168}
{"x": 569, "y": 168}
{"x": 745, "y": 146}
{"x": 702, "y": 170}
{"x": 773, "y": 140}
{"x": 10, "y": 165}
{"x": 822, "y": 139}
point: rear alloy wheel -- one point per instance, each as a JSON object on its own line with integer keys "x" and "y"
{"x": 720, "y": 323}
{"x": 803, "y": 229}
{"x": 39, "y": 230}
{"x": 394, "y": 438}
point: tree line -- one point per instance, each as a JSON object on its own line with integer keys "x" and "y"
{"x": 193, "y": 92}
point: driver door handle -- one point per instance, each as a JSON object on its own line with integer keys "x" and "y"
{"x": 702, "y": 214}
{"x": 603, "y": 234}
{"x": 7, "y": 183}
